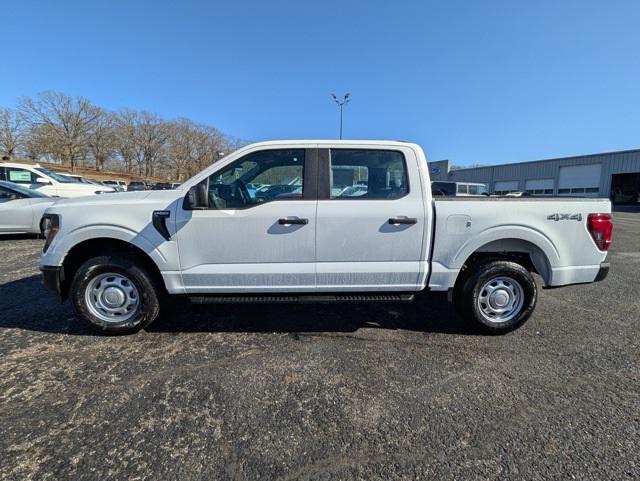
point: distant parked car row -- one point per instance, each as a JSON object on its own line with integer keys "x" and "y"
{"x": 458, "y": 189}
{"x": 469, "y": 189}
{"x": 139, "y": 185}
{"x": 58, "y": 184}
{"x": 121, "y": 186}
{"x": 48, "y": 182}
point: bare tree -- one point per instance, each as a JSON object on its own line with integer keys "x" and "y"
{"x": 56, "y": 127}
{"x": 190, "y": 147}
{"x": 125, "y": 137}
{"x": 140, "y": 138}
{"x": 179, "y": 149}
{"x": 102, "y": 137}
{"x": 151, "y": 135}
{"x": 11, "y": 133}
{"x": 34, "y": 143}
{"x": 66, "y": 121}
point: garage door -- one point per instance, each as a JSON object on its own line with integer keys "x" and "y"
{"x": 505, "y": 186}
{"x": 539, "y": 186}
{"x": 583, "y": 180}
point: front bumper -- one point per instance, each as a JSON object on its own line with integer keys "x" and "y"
{"x": 52, "y": 281}
{"x": 602, "y": 273}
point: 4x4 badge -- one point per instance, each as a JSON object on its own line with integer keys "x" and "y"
{"x": 558, "y": 217}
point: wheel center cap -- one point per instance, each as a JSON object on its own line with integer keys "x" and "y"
{"x": 113, "y": 297}
{"x": 500, "y": 298}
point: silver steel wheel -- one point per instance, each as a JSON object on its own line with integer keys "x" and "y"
{"x": 501, "y": 299}
{"x": 112, "y": 297}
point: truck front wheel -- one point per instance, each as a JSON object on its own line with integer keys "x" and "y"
{"x": 114, "y": 295}
{"x": 497, "y": 296}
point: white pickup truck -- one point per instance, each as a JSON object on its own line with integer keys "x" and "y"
{"x": 302, "y": 221}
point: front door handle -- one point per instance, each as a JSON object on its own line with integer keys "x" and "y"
{"x": 294, "y": 220}
{"x": 403, "y": 220}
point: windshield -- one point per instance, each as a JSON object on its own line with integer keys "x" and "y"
{"x": 72, "y": 179}
{"x": 60, "y": 178}
{"x": 24, "y": 191}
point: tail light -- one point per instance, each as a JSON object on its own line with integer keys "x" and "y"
{"x": 600, "y": 226}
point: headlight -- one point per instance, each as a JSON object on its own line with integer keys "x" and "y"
{"x": 46, "y": 227}
{"x": 49, "y": 225}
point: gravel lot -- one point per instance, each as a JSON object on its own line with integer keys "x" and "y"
{"x": 288, "y": 392}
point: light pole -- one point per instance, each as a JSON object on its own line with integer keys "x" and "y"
{"x": 341, "y": 103}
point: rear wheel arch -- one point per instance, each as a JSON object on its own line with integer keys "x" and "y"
{"x": 520, "y": 251}
{"x": 87, "y": 249}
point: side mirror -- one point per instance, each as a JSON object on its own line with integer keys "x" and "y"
{"x": 42, "y": 180}
{"x": 197, "y": 197}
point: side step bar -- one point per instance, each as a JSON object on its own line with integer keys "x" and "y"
{"x": 300, "y": 298}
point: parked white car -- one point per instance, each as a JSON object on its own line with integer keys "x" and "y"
{"x": 118, "y": 185}
{"x": 386, "y": 238}
{"x": 36, "y": 177}
{"x": 21, "y": 209}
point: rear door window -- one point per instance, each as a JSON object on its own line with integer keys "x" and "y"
{"x": 368, "y": 174}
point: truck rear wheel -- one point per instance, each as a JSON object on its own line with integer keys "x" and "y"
{"x": 114, "y": 295}
{"x": 497, "y": 296}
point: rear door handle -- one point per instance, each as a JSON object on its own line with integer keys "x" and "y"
{"x": 403, "y": 220}
{"x": 294, "y": 220}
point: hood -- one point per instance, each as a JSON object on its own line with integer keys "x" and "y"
{"x": 42, "y": 200}
{"x": 113, "y": 197}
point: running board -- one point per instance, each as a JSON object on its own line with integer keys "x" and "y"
{"x": 301, "y": 298}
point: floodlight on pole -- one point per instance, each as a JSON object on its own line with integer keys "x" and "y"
{"x": 341, "y": 104}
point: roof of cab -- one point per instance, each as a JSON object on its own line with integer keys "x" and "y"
{"x": 331, "y": 141}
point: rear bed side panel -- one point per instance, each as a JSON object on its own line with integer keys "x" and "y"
{"x": 564, "y": 248}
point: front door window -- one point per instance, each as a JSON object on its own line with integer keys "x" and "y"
{"x": 260, "y": 177}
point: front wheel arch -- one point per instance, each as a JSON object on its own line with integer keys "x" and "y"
{"x": 87, "y": 249}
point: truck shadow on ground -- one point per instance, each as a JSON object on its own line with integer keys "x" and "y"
{"x": 25, "y": 304}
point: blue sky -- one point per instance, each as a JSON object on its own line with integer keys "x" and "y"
{"x": 472, "y": 81}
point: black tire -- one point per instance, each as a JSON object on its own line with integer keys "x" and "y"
{"x": 510, "y": 281}
{"x": 145, "y": 294}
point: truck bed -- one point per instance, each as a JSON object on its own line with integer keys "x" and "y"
{"x": 550, "y": 230}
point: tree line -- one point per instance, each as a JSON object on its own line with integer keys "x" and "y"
{"x": 74, "y": 132}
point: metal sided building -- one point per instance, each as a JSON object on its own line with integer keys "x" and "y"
{"x": 596, "y": 175}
